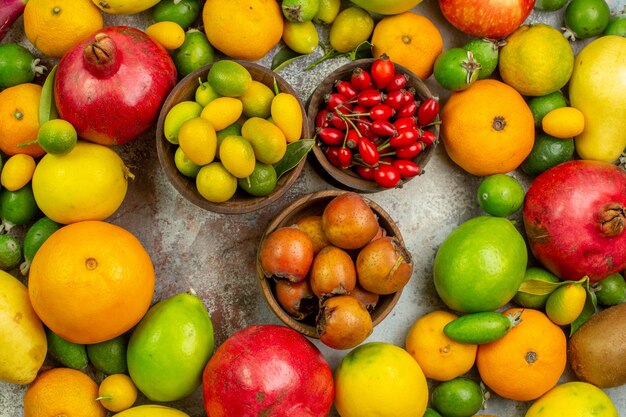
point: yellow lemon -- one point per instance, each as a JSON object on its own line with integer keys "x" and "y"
{"x": 222, "y": 112}
{"x": 257, "y": 100}
{"x": 117, "y": 392}
{"x": 566, "y": 303}
{"x": 124, "y": 6}
{"x": 88, "y": 183}
{"x": 573, "y": 399}
{"x": 17, "y": 171}
{"x": 169, "y": 35}
{"x": 380, "y": 379}
{"x": 215, "y": 183}
{"x": 287, "y": 115}
{"x": 564, "y": 122}
{"x": 55, "y": 26}
{"x": 198, "y": 140}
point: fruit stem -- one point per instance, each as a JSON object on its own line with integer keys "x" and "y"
{"x": 191, "y": 291}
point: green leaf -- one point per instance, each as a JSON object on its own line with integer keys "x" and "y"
{"x": 364, "y": 50}
{"x": 589, "y": 310}
{"x": 47, "y": 108}
{"x": 296, "y": 151}
{"x": 538, "y": 287}
{"x": 284, "y": 57}
{"x": 330, "y": 54}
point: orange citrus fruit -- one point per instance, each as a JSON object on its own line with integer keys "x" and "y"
{"x": 440, "y": 357}
{"x": 528, "y": 361}
{"x": 63, "y": 392}
{"x": 91, "y": 281}
{"x": 488, "y": 128}
{"x": 244, "y": 29}
{"x": 19, "y": 119}
{"x": 410, "y": 40}
{"x": 55, "y": 26}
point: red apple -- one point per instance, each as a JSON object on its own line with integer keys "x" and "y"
{"x": 486, "y": 18}
{"x": 266, "y": 370}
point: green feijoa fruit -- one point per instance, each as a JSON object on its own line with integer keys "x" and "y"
{"x": 460, "y": 397}
{"x": 10, "y": 252}
{"x": 17, "y": 207}
{"x": 546, "y": 153}
{"x": 611, "y": 290}
{"x": 17, "y": 65}
{"x": 109, "y": 356}
{"x": 617, "y": 24}
{"x": 195, "y": 52}
{"x": 483, "y": 327}
{"x": 170, "y": 347}
{"x": 261, "y": 182}
{"x": 542, "y": 105}
{"x": 41, "y": 230}
{"x": 500, "y": 195}
{"x": 69, "y": 354}
{"x": 183, "y": 12}
{"x": 586, "y": 18}
{"x": 456, "y": 69}
{"x": 486, "y": 52}
{"x": 549, "y": 5}
{"x": 300, "y": 10}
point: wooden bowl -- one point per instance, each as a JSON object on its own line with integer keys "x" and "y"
{"x": 311, "y": 205}
{"x": 347, "y": 178}
{"x": 241, "y": 202}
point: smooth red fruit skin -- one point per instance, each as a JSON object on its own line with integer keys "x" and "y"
{"x": 114, "y": 103}
{"x": 387, "y": 176}
{"x": 486, "y": 18}
{"x": 360, "y": 79}
{"x": 574, "y": 218}
{"x": 382, "y": 71}
{"x": 267, "y": 370}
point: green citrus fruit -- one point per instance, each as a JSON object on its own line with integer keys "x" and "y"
{"x": 184, "y": 165}
{"x": 234, "y": 129}
{"x": 611, "y": 290}
{"x": 17, "y": 207}
{"x": 10, "y": 252}
{"x": 117, "y": 392}
{"x": 460, "y": 397}
{"x": 176, "y": 116}
{"x": 486, "y": 52}
{"x": 431, "y": 413}
{"x": 480, "y": 265}
{"x": 547, "y": 152}
{"x": 261, "y": 182}
{"x": 617, "y": 25}
{"x": 532, "y": 300}
{"x": 69, "y": 354}
{"x": 57, "y": 137}
{"x": 301, "y": 37}
{"x": 549, "y": 5}
{"x": 109, "y": 356}
{"x": 536, "y": 60}
{"x": 566, "y": 303}
{"x": 257, "y": 100}
{"x": 205, "y": 94}
{"x": 183, "y": 12}
{"x": 351, "y": 27}
{"x": 229, "y": 78}
{"x": 215, "y": 183}
{"x": 500, "y": 195}
{"x": 542, "y": 105}
{"x": 237, "y": 156}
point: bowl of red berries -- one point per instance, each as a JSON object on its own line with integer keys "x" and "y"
{"x": 376, "y": 125}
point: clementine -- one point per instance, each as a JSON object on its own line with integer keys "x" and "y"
{"x": 408, "y": 39}
{"x": 91, "y": 281}
{"x": 528, "y": 361}
{"x": 63, "y": 392}
{"x": 487, "y": 128}
{"x": 440, "y": 357}
{"x": 19, "y": 119}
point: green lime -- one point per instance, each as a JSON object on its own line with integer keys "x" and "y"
{"x": 195, "y": 52}
{"x": 485, "y": 53}
{"x": 531, "y": 300}
{"x": 611, "y": 290}
{"x": 17, "y": 207}
{"x": 586, "y": 18}
{"x": 41, "y": 230}
{"x": 215, "y": 183}
{"x": 300, "y": 10}
{"x": 184, "y": 165}
{"x": 549, "y": 5}
{"x": 109, "y": 356}
{"x": 232, "y": 130}
{"x": 617, "y": 25}
{"x": 183, "y": 12}
{"x": 542, "y": 105}
{"x": 10, "y": 252}
{"x": 480, "y": 265}
{"x": 257, "y": 100}
{"x": 500, "y": 195}
{"x": 547, "y": 152}
{"x": 460, "y": 397}
{"x": 69, "y": 354}
{"x": 431, "y": 413}
{"x": 17, "y": 65}
{"x": 261, "y": 182}
{"x": 57, "y": 137}
{"x": 205, "y": 93}
{"x": 229, "y": 78}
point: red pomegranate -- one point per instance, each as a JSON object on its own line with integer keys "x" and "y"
{"x": 574, "y": 218}
{"x": 267, "y": 370}
{"x": 111, "y": 86}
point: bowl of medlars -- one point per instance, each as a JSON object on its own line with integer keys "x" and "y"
{"x": 376, "y": 125}
{"x": 332, "y": 265}
{"x": 232, "y": 137}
